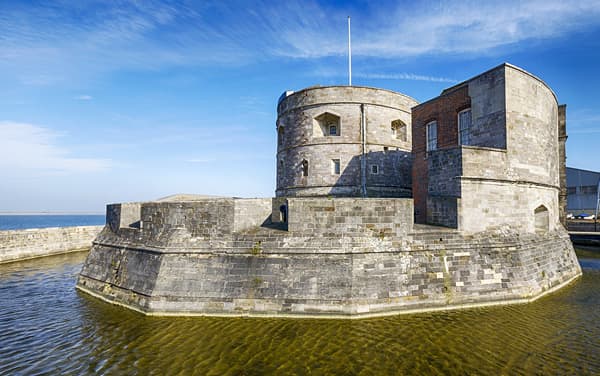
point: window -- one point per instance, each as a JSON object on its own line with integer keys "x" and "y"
{"x": 464, "y": 127}
{"x": 281, "y": 167}
{"x": 399, "y": 130}
{"x": 571, "y": 190}
{"x": 280, "y": 135}
{"x": 335, "y": 166}
{"x": 541, "y": 219}
{"x": 304, "y": 167}
{"x": 326, "y": 124}
{"x": 374, "y": 169}
{"x": 588, "y": 189}
{"x": 332, "y": 130}
{"x": 431, "y": 130}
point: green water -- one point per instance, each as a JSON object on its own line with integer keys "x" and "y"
{"x": 47, "y": 327}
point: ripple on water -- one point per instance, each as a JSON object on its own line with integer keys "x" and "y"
{"x": 48, "y": 327}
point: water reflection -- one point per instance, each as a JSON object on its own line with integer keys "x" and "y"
{"x": 48, "y": 327}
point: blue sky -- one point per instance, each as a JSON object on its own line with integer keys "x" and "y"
{"x": 109, "y": 101}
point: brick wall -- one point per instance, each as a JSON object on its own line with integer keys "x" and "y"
{"x": 443, "y": 109}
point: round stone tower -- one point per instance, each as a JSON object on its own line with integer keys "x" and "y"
{"x": 344, "y": 141}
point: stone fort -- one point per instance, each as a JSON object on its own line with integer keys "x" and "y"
{"x": 382, "y": 206}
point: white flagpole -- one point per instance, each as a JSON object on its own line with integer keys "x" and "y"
{"x": 349, "y": 55}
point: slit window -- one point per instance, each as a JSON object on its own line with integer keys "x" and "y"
{"x": 335, "y": 166}
{"x": 305, "y": 168}
{"x": 374, "y": 169}
{"x": 464, "y": 127}
{"x": 280, "y": 135}
{"x": 431, "y": 130}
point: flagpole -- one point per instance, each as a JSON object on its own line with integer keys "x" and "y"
{"x": 349, "y": 55}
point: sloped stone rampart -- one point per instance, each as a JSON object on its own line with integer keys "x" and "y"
{"x": 266, "y": 271}
{"x": 18, "y": 245}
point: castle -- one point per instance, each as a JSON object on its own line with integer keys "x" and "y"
{"x": 382, "y": 206}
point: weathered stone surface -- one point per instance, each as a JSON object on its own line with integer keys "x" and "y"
{"x": 18, "y": 245}
{"x": 363, "y": 272}
{"x": 303, "y": 137}
{"x": 511, "y": 165}
{"x": 343, "y": 256}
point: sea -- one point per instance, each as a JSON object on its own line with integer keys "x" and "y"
{"x": 20, "y": 222}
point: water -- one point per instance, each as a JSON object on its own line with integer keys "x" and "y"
{"x": 18, "y": 222}
{"x": 47, "y": 327}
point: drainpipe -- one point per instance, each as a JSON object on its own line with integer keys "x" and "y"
{"x": 597, "y": 207}
{"x": 363, "y": 159}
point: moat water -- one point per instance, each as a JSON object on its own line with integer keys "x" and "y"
{"x": 48, "y": 327}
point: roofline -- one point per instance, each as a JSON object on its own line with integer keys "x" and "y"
{"x": 347, "y": 86}
{"x": 581, "y": 169}
{"x": 505, "y": 64}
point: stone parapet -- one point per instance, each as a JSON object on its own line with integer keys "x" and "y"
{"x": 16, "y": 245}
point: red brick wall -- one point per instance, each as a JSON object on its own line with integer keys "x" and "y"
{"x": 443, "y": 109}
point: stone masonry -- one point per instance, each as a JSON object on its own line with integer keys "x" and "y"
{"x": 511, "y": 154}
{"x": 17, "y": 245}
{"x": 320, "y": 125}
{"x": 340, "y": 239}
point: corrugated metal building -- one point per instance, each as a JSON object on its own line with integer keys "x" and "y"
{"x": 582, "y": 191}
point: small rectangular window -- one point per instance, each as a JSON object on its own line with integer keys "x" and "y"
{"x": 335, "y": 166}
{"x": 374, "y": 169}
{"x": 333, "y": 130}
{"x": 431, "y": 129}
{"x": 464, "y": 127}
{"x": 589, "y": 189}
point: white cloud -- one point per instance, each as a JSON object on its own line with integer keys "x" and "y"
{"x": 404, "y": 76}
{"x": 49, "y": 43}
{"x": 440, "y": 27}
{"x": 84, "y": 97}
{"x": 29, "y": 149}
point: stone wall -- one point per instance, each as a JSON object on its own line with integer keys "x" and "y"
{"x": 488, "y": 108}
{"x": 18, "y": 245}
{"x": 279, "y": 273}
{"x": 494, "y": 204}
{"x": 511, "y": 163}
{"x": 562, "y": 159}
{"x": 532, "y": 124}
{"x": 301, "y": 137}
{"x": 348, "y": 216}
{"x": 201, "y": 218}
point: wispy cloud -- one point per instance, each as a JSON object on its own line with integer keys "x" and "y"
{"x": 427, "y": 27}
{"x": 404, "y": 76}
{"x": 54, "y": 40}
{"x": 331, "y": 73}
{"x": 27, "y": 148}
{"x": 84, "y": 97}
{"x": 583, "y": 121}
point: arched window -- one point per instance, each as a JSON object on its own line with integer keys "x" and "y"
{"x": 328, "y": 124}
{"x": 304, "y": 167}
{"x": 542, "y": 219}
{"x": 398, "y": 130}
